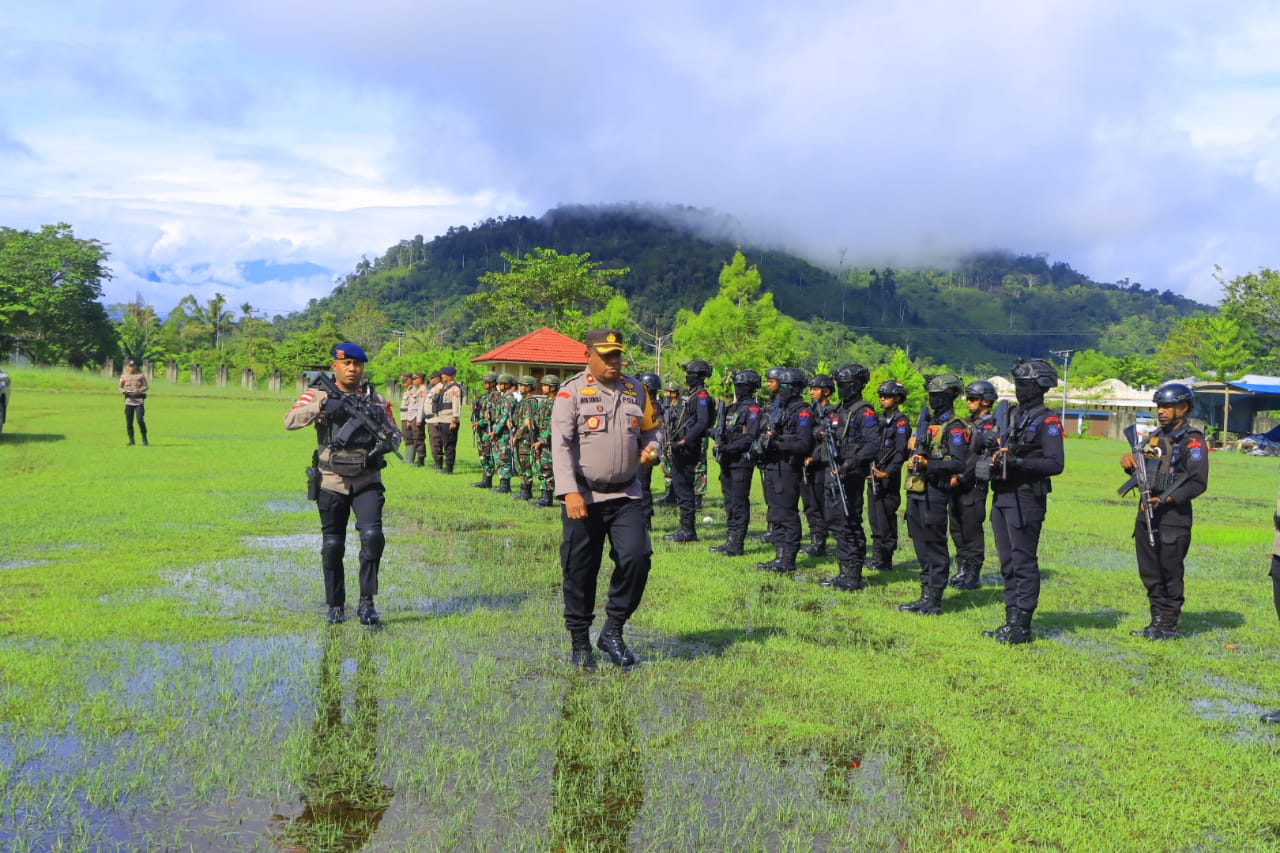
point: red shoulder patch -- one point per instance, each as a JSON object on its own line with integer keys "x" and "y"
{"x": 702, "y": 393}
{"x": 1052, "y": 419}
{"x": 1195, "y": 442}
{"x": 564, "y": 394}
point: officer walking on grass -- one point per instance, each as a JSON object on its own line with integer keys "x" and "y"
{"x": 1020, "y": 486}
{"x": 603, "y": 430}
{"x": 1176, "y": 460}
{"x": 133, "y": 385}
{"x": 354, "y": 429}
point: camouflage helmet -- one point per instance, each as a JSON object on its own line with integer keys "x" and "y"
{"x": 892, "y": 388}
{"x": 980, "y": 389}
{"x": 944, "y": 383}
{"x": 1173, "y": 393}
{"x": 506, "y": 379}
{"x": 1043, "y": 373}
{"x": 672, "y": 386}
{"x": 650, "y": 380}
{"x": 531, "y": 381}
{"x": 551, "y": 380}
{"x": 489, "y": 377}
{"x": 822, "y": 380}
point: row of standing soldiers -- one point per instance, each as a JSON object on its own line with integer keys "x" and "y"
{"x": 512, "y": 430}
{"x": 836, "y": 455}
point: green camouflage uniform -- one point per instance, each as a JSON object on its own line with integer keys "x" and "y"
{"x": 481, "y": 418}
{"x": 544, "y": 479}
{"x": 523, "y": 433}
{"x": 500, "y": 428}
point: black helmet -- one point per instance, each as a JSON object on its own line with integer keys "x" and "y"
{"x": 747, "y": 377}
{"x": 1038, "y": 370}
{"x": 982, "y": 389}
{"x": 1174, "y": 392}
{"x": 822, "y": 380}
{"x": 853, "y": 374}
{"x": 947, "y": 383}
{"x": 775, "y": 373}
{"x": 697, "y": 366}
{"x": 795, "y": 377}
{"x": 652, "y": 381}
{"x": 892, "y": 388}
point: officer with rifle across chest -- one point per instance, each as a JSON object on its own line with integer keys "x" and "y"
{"x": 969, "y": 496}
{"x": 813, "y": 489}
{"x": 1170, "y": 469}
{"x": 690, "y": 424}
{"x": 784, "y": 443}
{"x": 741, "y": 428}
{"x": 884, "y": 484}
{"x": 354, "y": 433}
{"x": 851, "y": 437}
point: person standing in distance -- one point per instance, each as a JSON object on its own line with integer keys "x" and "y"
{"x": 349, "y": 464}
{"x": 1274, "y": 716}
{"x": 133, "y": 385}
{"x": 1020, "y": 489}
{"x": 692, "y": 420}
{"x": 448, "y": 414}
{"x": 788, "y": 441}
{"x": 1177, "y": 463}
{"x": 884, "y": 484}
{"x": 741, "y": 428}
{"x": 969, "y": 497}
{"x": 603, "y": 429}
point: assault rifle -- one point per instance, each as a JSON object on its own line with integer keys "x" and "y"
{"x": 1002, "y": 436}
{"x": 922, "y": 443}
{"x": 835, "y": 482}
{"x": 882, "y": 458}
{"x": 717, "y": 429}
{"x": 1142, "y": 479}
{"x": 365, "y": 413}
{"x": 764, "y": 441}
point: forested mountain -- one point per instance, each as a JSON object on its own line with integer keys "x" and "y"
{"x": 981, "y": 311}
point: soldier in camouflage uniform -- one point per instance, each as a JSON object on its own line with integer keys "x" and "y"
{"x": 522, "y": 436}
{"x": 670, "y": 410}
{"x": 504, "y": 407}
{"x": 481, "y": 418}
{"x": 544, "y": 478}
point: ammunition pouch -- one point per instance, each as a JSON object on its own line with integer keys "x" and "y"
{"x": 915, "y": 483}
{"x": 982, "y": 470}
{"x": 349, "y": 463}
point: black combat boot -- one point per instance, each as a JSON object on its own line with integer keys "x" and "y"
{"x": 337, "y": 614}
{"x": 849, "y": 579}
{"x": 504, "y": 486}
{"x": 1016, "y": 628}
{"x": 1153, "y": 625}
{"x": 669, "y": 498}
{"x": 958, "y": 577}
{"x": 697, "y": 501}
{"x": 932, "y": 605}
{"x": 766, "y": 537}
{"x": 610, "y": 642}
{"x": 732, "y": 546}
{"x": 366, "y": 612}
{"x": 144, "y": 440}
{"x": 783, "y": 563}
{"x": 1167, "y": 629}
{"x": 687, "y": 532}
{"x": 546, "y": 499}
{"x": 969, "y": 576}
{"x": 582, "y": 656}
{"x": 525, "y": 493}
{"x": 914, "y": 606}
{"x": 486, "y": 482}
{"x": 817, "y": 547}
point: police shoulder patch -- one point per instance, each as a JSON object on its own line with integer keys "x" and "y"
{"x": 564, "y": 394}
{"x": 902, "y": 427}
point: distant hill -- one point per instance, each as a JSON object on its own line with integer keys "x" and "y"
{"x": 984, "y": 309}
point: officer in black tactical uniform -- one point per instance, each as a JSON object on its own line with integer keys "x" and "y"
{"x": 1020, "y": 489}
{"x": 969, "y": 498}
{"x": 884, "y": 485}
{"x": 653, "y": 384}
{"x": 855, "y": 433}
{"x": 786, "y": 439}
{"x": 935, "y": 466}
{"x": 813, "y": 497}
{"x": 1274, "y": 716}
{"x": 741, "y": 428}
{"x": 685, "y": 446}
{"x": 772, "y": 376}
{"x": 1177, "y": 464}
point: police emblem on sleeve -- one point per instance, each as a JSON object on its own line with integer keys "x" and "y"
{"x": 593, "y": 422}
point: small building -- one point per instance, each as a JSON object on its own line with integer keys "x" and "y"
{"x": 1241, "y": 403}
{"x": 537, "y": 353}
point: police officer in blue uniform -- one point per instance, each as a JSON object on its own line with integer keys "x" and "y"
{"x": 855, "y": 433}
{"x": 969, "y": 497}
{"x": 1020, "y": 486}
{"x": 772, "y": 376}
{"x": 884, "y": 485}
{"x": 1177, "y": 463}
{"x": 684, "y": 446}
{"x": 813, "y": 489}
{"x": 785, "y": 441}
{"x": 741, "y": 428}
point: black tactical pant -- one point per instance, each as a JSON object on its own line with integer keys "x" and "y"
{"x": 435, "y": 438}
{"x": 735, "y": 485}
{"x": 783, "y": 497}
{"x": 684, "y": 467}
{"x": 1275, "y": 581}
{"x": 1016, "y": 519}
{"x": 335, "y": 509}
{"x": 140, "y": 412}
{"x": 1162, "y": 566}
{"x": 882, "y": 513}
{"x": 851, "y": 538}
{"x": 448, "y": 445}
{"x": 927, "y": 525}
{"x": 582, "y": 549}
{"x": 813, "y": 499}
{"x": 968, "y": 512}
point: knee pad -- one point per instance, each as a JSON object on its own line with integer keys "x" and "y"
{"x": 331, "y": 550}
{"x": 372, "y": 542}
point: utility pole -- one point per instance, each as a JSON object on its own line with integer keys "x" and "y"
{"x": 1065, "y": 355}
{"x": 656, "y": 340}
{"x": 399, "y": 335}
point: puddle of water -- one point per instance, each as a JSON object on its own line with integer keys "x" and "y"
{"x": 20, "y": 564}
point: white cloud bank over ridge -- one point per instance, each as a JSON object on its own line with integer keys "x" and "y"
{"x": 1131, "y": 140}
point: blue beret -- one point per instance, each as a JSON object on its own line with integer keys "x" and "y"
{"x": 349, "y": 350}
{"x": 449, "y": 370}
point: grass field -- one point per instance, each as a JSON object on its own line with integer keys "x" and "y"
{"x": 167, "y": 680}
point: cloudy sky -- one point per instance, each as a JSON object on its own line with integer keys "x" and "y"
{"x": 260, "y": 147}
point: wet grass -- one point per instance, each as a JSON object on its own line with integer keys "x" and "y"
{"x": 166, "y": 680}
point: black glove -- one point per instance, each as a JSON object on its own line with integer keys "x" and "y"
{"x": 332, "y": 405}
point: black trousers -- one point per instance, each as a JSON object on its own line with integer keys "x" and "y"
{"x": 735, "y": 485}
{"x": 335, "y": 510}
{"x": 1162, "y": 566}
{"x": 448, "y": 445}
{"x": 140, "y": 412}
{"x": 783, "y": 497}
{"x": 883, "y": 503}
{"x": 646, "y": 493}
{"x": 1016, "y": 520}
{"x": 851, "y": 539}
{"x": 1275, "y": 581}
{"x": 927, "y": 525}
{"x": 684, "y": 466}
{"x": 582, "y": 549}
{"x": 436, "y": 439}
{"x": 813, "y": 499}
{"x": 968, "y": 512}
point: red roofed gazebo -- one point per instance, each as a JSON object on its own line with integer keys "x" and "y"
{"x": 543, "y": 351}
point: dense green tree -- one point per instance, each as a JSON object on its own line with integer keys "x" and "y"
{"x": 1212, "y": 347}
{"x": 901, "y": 368}
{"x": 139, "y": 331}
{"x": 1254, "y": 299}
{"x": 366, "y": 325}
{"x": 543, "y": 288}
{"x": 50, "y": 282}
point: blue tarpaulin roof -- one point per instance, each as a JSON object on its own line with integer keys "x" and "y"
{"x": 1256, "y": 388}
